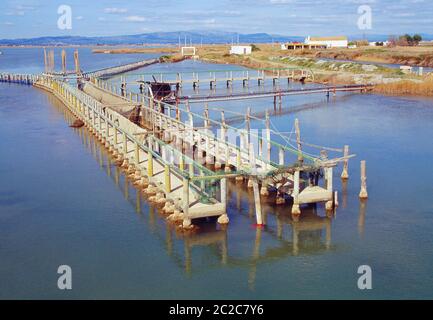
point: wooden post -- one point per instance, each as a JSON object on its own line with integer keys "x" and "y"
{"x": 298, "y": 141}
{"x": 247, "y": 126}
{"x": 185, "y": 195}
{"x": 363, "y": 193}
{"x": 167, "y": 178}
{"x": 336, "y": 198}
{"x": 281, "y": 157}
{"x": 345, "y": 173}
{"x": 125, "y": 144}
{"x": 137, "y": 153}
{"x": 328, "y": 173}
{"x": 268, "y": 136}
{"x": 224, "y": 193}
{"x": 257, "y": 202}
{"x": 149, "y": 163}
{"x": 223, "y": 219}
{"x": 181, "y": 163}
{"x": 227, "y": 159}
{"x": 296, "y": 211}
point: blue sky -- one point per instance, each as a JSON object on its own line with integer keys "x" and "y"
{"x": 23, "y": 19}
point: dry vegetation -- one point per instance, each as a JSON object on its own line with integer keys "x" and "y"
{"x": 415, "y": 56}
{"x": 406, "y": 87}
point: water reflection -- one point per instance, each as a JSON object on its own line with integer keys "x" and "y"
{"x": 361, "y": 218}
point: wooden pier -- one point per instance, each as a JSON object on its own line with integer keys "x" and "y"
{"x": 112, "y": 71}
{"x": 147, "y": 159}
{"x": 328, "y": 90}
{"x": 241, "y": 160}
{"x": 27, "y": 79}
{"x": 224, "y": 77}
{"x": 183, "y": 159}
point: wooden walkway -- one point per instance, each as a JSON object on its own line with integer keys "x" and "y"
{"x": 274, "y": 93}
{"x": 165, "y": 151}
{"x": 112, "y": 71}
{"x": 225, "y": 77}
{"x": 239, "y": 159}
{"x": 144, "y": 156}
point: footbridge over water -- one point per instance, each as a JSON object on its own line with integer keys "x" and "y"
{"x": 183, "y": 159}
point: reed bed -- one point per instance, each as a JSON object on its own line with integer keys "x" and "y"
{"x": 407, "y": 87}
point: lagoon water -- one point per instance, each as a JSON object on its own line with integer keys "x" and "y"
{"x": 62, "y": 201}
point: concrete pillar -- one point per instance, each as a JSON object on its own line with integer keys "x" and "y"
{"x": 115, "y": 136}
{"x": 296, "y": 211}
{"x": 149, "y": 163}
{"x": 223, "y": 219}
{"x": 328, "y": 174}
{"x": 185, "y": 197}
{"x": 268, "y": 136}
{"x": 363, "y": 193}
{"x": 167, "y": 178}
{"x": 281, "y": 157}
{"x": 227, "y": 158}
{"x": 298, "y": 141}
{"x": 238, "y": 164}
{"x": 345, "y": 173}
{"x": 181, "y": 163}
{"x": 125, "y": 144}
{"x": 137, "y": 153}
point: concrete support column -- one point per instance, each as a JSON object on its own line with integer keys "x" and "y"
{"x": 223, "y": 219}
{"x": 363, "y": 193}
{"x": 298, "y": 141}
{"x": 296, "y": 211}
{"x": 125, "y": 144}
{"x": 281, "y": 156}
{"x": 345, "y": 173}
{"x": 328, "y": 172}
{"x": 185, "y": 197}
{"x": 149, "y": 164}
{"x": 137, "y": 153}
{"x": 167, "y": 178}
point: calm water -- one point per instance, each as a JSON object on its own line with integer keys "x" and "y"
{"x": 63, "y": 202}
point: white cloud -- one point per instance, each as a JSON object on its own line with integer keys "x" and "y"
{"x": 280, "y": 1}
{"x": 79, "y": 18}
{"x": 115, "y": 10}
{"x": 21, "y": 7}
{"x": 135, "y": 19}
{"x": 8, "y": 23}
{"x": 403, "y": 14}
{"x": 15, "y": 13}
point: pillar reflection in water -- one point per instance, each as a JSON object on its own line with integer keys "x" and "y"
{"x": 361, "y": 218}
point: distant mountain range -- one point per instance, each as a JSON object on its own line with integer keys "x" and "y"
{"x": 153, "y": 38}
{"x": 196, "y": 37}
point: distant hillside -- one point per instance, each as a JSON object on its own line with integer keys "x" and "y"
{"x": 173, "y": 38}
{"x": 153, "y": 38}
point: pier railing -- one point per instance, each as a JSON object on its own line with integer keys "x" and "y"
{"x": 184, "y": 117}
{"x": 28, "y": 79}
{"x": 213, "y": 76}
{"x": 112, "y": 71}
{"x": 142, "y": 149}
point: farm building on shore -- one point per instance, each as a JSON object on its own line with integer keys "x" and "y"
{"x": 240, "y": 49}
{"x": 329, "y": 42}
